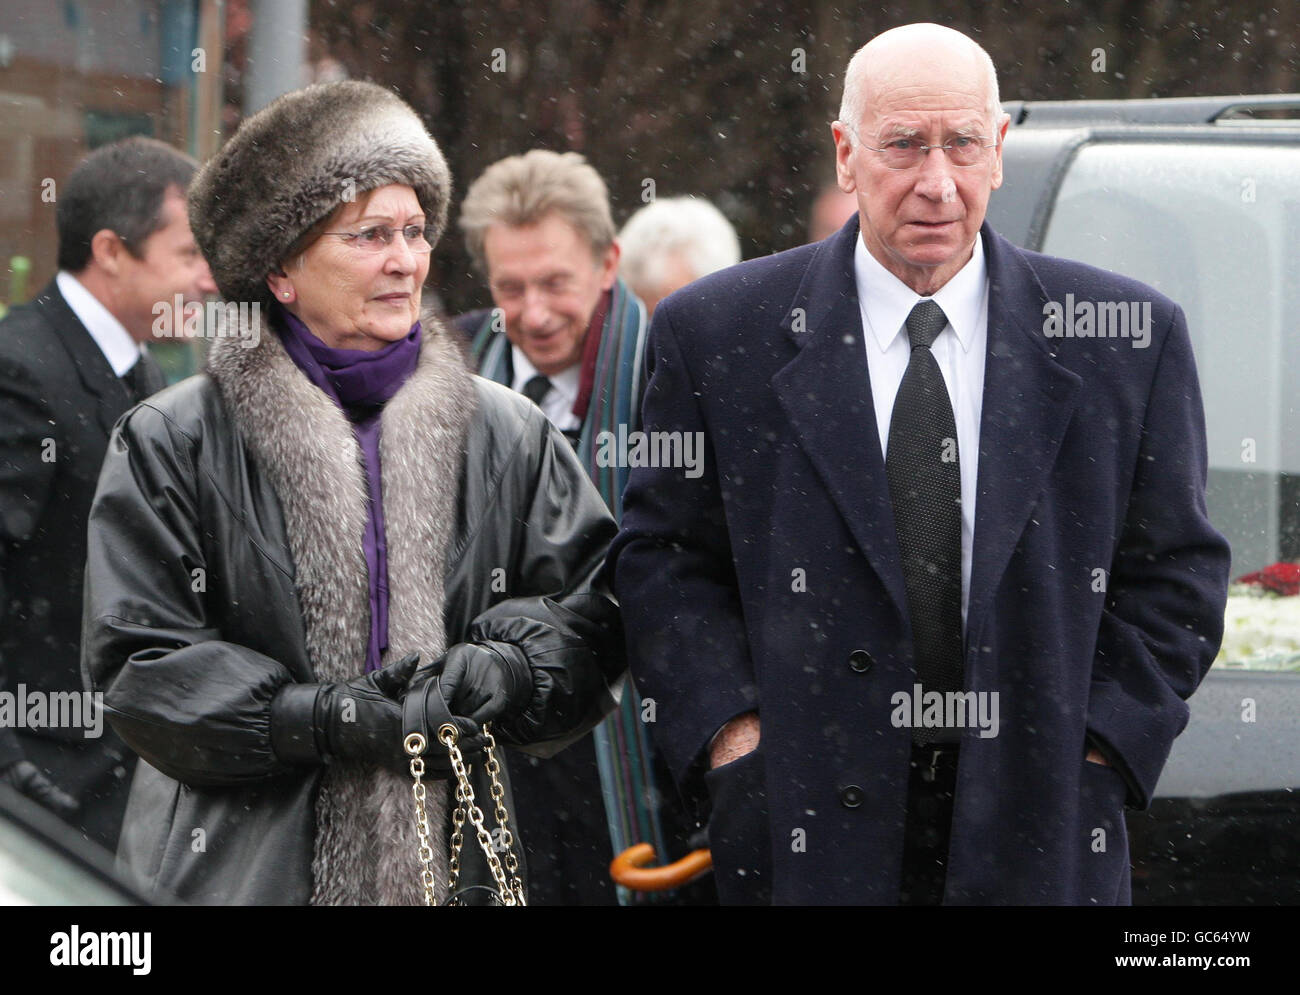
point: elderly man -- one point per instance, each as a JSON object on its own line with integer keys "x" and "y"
{"x": 927, "y": 621}
{"x": 672, "y": 242}
{"x": 71, "y": 362}
{"x": 570, "y": 335}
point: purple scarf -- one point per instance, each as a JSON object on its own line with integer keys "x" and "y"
{"x": 360, "y": 383}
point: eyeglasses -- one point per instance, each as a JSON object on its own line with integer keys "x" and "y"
{"x": 962, "y": 150}
{"x": 418, "y": 238}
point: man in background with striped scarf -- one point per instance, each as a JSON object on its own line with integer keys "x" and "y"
{"x": 568, "y": 333}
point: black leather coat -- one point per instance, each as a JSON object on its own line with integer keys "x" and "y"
{"x": 188, "y": 677}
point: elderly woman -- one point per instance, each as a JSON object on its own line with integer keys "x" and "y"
{"x": 274, "y": 541}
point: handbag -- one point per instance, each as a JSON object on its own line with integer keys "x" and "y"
{"x": 509, "y": 888}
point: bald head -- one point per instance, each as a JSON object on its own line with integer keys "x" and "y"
{"x": 919, "y": 144}
{"x": 918, "y": 59}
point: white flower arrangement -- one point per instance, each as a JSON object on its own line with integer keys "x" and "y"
{"x": 1261, "y": 630}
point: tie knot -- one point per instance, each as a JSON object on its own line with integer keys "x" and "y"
{"x": 536, "y": 388}
{"x": 925, "y": 323}
{"x": 138, "y": 382}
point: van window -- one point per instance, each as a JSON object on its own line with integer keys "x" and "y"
{"x": 1217, "y": 228}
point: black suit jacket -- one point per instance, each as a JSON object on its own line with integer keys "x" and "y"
{"x": 59, "y": 399}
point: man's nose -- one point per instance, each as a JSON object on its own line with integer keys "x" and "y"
{"x": 206, "y": 284}
{"x": 535, "y": 310}
{"x": 934, "y": 175}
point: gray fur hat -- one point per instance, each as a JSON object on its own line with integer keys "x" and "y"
{"x": 293, "y": 163}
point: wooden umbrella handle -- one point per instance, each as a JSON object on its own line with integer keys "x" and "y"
{"x": 629, "y": 869}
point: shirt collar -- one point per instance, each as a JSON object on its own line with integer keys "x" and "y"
{"x": 566, "y": 381}
{"x": 886, "y": 301}
{"x": 114, "y": 341}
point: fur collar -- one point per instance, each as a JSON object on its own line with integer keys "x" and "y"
{"x": 365, "y": 827}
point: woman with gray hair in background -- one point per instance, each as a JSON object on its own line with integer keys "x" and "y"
{"x": 278, "y": 543}
{"x": 673, "y": 242}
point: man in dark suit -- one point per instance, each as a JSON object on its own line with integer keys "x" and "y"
{"x": 927, "y": 621}
{"x": 71, "y": 362}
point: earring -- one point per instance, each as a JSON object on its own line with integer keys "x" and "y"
{"x": 286, "y": 295}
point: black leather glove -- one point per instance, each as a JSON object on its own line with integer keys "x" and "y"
{"x": 572, "y": 649}
{"x": 359, "y": 721}
{"x": 26, "y": 778}
{"x": 426, "y": 711}
{"x": 486, "y": 681}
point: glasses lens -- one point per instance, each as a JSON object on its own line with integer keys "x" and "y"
{"x": 965, "y": 151}
{"x": 419, "y": 238}
{"x": 373, "y": 239}
{"x": 901, "y": 154}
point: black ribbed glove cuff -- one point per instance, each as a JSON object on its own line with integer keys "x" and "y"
{"x": 293, "y": 725}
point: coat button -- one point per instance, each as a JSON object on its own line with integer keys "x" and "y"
{"x": 860, "y": 661}
{"x": 851, "y": 796}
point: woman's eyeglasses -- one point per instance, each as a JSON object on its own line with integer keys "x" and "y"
{"x": 418, "y": 238}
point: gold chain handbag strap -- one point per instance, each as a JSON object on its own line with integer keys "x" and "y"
{"x": 414, "y": 745}
{"x": 510, "y": 892}
{"x": 503, "y": 817}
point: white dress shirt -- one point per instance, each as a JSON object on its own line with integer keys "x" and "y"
{"x": 885, "y": 302}
{"x": 114, "y": 341}
{"x": 557, "y": 403}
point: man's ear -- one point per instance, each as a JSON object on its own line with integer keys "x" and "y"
{"x": 107, "y": 250}
{"x": 1001, "y": 134}
{"x": 843, "y": 149}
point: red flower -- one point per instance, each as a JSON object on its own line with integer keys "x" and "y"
{"x": 1280, "y": 578}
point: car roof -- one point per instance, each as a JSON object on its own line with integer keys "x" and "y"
{"x": 1276, "y": 109}
{"x": 1046, "y": 135}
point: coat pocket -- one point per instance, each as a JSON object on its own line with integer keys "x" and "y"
{"x": 739, "y": 834}
{"x": 1104, "y": 871}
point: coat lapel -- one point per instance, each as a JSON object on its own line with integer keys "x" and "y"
{"x": 491, "y": 352}
{"x": 1028, "y": 402}
{"x": 304, "y": 445}
{"x": 825, "y": 392}
{"x": 110, "y": 394}
{"x": 154, "y": 377}
{"x": 1029, "y": 398}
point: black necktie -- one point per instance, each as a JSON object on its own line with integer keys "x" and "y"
{"x": 536, "y": 388}
{"x": 141, "y": 381}
{"x": 925, "y": 488}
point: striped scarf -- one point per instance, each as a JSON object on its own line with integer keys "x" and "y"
{"x": 616, "y": 372}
